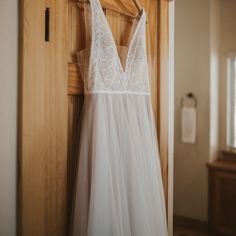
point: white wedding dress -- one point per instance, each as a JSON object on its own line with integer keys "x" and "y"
{"x": 118, "y": 189}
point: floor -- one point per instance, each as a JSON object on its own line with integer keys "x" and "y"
{"x": 180, "y": 231}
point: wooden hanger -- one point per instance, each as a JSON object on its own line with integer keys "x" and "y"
{"x": 136, "y": 3}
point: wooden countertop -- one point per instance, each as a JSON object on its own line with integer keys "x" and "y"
{"x": 223, "y": 165}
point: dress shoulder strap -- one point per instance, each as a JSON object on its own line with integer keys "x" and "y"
{"x": 95, "y": 24}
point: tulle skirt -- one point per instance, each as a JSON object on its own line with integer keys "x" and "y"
{"x": 118, "y": 189}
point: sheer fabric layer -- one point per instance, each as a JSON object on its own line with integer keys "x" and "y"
{"x": 119, "y": 185}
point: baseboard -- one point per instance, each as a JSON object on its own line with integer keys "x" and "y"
{"x": 190, "y": 223}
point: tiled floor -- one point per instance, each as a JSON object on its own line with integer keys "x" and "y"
{"x": 180, "y": 231}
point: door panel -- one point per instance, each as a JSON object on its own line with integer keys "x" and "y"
{"x": 43, "y": 112}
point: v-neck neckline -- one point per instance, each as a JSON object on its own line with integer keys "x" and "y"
{"x": 130, "y": 40}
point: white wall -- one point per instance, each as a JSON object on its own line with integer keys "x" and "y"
{"x": 8, "y": 115}
{"x": 192, "y": 70}
{"x": 215, "y": 32}
{"x": 228, "y": 44}
{"x": 205, "y": 33}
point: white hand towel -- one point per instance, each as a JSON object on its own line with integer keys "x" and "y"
{"x": 188, "y": 123}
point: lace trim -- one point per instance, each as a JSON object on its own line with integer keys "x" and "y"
{"x": 118, "y": 92}
{"x": 104, "y": 72}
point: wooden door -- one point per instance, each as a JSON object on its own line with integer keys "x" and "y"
{"x": 51, "y": 97}
{"x": 43, "y": 118}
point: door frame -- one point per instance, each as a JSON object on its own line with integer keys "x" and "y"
{"x": 171, "y": 28}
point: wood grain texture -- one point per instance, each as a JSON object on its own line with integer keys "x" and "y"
{"x": 125, "y": 7}
{"x": 74, "y": 125}
{"x": 43, "y": 120}
{"x": 75, "y": 83}
{"x": 120, "y": 26}
{"x": 162, "y": 93}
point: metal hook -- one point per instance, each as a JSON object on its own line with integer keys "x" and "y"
{"x": 190, "y": 96}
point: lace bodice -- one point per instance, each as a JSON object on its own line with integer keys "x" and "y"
{"x": 100, "y": 64}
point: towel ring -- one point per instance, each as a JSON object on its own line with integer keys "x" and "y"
{"x": 189, "y": 96}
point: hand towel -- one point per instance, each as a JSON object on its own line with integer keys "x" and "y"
{"x": 188, "y": 124}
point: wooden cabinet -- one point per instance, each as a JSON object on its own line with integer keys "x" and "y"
{"x": 222, "y": 197}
